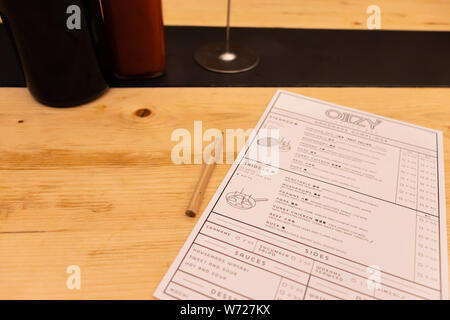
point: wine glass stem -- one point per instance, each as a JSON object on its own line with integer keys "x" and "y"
{"x": 227, "y": 45}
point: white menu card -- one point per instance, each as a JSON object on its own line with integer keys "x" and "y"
{"x": 323, "y": 202}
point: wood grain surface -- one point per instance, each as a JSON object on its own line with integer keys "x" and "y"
{"x": 95, "y": 186}
{"x": 335, "y": 14}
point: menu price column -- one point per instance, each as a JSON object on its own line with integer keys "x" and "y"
{"x": 427, "y": 251}
{"x": 427, "y": 185}
{"x": 407, "y": 179}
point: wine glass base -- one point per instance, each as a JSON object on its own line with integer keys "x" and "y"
{"x": 214, "y": 57}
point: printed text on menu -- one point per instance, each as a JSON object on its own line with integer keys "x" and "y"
{"x": 353, "y": 209}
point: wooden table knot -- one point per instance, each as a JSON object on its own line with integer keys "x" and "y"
{"x": 143, "y": 113}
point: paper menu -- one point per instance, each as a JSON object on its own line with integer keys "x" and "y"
{"x": 352, "y": 208}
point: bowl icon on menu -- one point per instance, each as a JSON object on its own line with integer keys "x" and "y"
{"x": 242, "y": 201}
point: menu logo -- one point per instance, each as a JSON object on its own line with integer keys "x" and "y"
{"x": 352, "y": 118}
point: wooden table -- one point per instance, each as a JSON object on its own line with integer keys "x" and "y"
{"x": 95, "y": 186}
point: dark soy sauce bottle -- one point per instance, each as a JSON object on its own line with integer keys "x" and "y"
{"x": 59, "y": 43}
